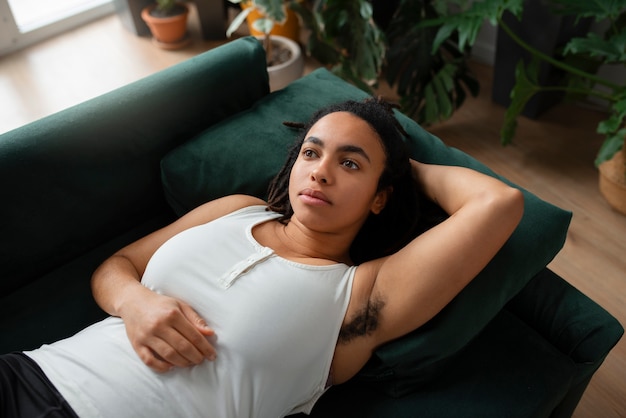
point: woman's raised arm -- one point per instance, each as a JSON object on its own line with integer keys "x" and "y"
{"x": 418, "y": 281}
{"x": 397, "y": 294}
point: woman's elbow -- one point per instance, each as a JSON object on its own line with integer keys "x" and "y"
{"x": 512, "y": 205}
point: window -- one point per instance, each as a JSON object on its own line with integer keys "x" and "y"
{"x": 24, "y": 22}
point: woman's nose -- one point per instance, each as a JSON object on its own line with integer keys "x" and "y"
{"x": 320, "y": 174}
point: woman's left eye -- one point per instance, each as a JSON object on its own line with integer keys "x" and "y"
{"x": 350, "y": 164}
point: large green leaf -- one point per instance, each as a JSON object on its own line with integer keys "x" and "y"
{"x": 431, "y": 84}
{"x": 617, "y": 119}
{"x": 526, "y": 86}
{"x": 237, "y": 21}
{"x": 345, "y": 38}
{"x": 611, "y": 145}
{"x": 275, "y": 10}
{"x": 263, "y": 25}
{"x": 469, "y": 22}
{"x": 610, "y": 50}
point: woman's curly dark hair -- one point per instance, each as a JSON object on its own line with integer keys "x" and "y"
{"x": 401, "y": 219}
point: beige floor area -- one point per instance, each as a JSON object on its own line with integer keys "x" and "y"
{"x": 552, "y": 157}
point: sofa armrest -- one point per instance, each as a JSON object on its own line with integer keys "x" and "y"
{"x": 82, "y": 176}
{"x": 573, "y": 323}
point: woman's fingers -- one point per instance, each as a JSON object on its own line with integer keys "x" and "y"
{"x": 168, "y": 334}
{"x": 153, "y": 360}
{"x": 198, "y": 333}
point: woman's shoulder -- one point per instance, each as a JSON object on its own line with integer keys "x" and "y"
{"x": 218, "y": 208}
{"x": 240, "y": 201}
{"x": 231, "y": 203}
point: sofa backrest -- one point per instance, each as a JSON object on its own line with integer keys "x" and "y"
{"x": 85, "y": 175}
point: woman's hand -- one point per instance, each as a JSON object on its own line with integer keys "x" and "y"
{"x": 166, "y": 332}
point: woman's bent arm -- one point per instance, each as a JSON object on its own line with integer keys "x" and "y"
{"x": 410, "y": 287}
{"x": 164, "y": 332}
{"x": 419, "y": 280}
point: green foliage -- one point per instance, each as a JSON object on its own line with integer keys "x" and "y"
{"x": 609, "y": 50}
{"x": 431, "y": 83}
{"x": 525, "y": 88}
{"x": 345, "y": 37}
{"x": 275, "y": 12}
{"x": 469, "y": 22}
{"x": 614, "y": 129}
{"x": 343, "y": 34}
{"x": 238, "y": 20}
{"x": 165, "y": 6}
{"x": 582, "y": 58}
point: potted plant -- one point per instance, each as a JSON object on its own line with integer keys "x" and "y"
{"x": 285, "y": 62}
{"x": 167, "y": 20}
{"x": 582, "y": 57}
{"x": 342, "y": 34}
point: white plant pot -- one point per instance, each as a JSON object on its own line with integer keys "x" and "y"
{"x": 282, "y": 74}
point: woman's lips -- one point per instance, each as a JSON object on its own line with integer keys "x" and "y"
{"x": 314, "y": 197}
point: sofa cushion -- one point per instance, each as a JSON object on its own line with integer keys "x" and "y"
{"x": 508, "y": 370}
{"x": 241, "y": 155}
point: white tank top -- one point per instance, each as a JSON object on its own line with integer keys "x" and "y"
{"x": 276, "y": 324}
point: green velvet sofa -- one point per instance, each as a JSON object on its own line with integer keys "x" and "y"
{"x": 519, "y": 341}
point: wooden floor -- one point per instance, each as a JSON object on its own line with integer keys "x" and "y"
{"x": 552, "y": 157}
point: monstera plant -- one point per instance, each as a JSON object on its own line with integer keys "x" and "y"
{"x": 344, "y": 38}
{"x": 431, "y": 80}
{"x": 580, "y": 60}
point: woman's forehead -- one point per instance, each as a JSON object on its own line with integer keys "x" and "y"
{"x": 343, "y": 125}
{"x": 346, "y": 132}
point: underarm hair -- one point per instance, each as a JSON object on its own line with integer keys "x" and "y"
{"x": 363, "y": 323}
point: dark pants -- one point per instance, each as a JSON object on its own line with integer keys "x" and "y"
{"x": 26, "y": 392}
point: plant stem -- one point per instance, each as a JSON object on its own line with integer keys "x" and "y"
{"x": 554, "y": 62}
{"x": 267, "y": 44}
{"x": 574, "y": 90}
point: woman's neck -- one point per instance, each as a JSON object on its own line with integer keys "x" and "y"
{"x": 295, "y": 242}
{"x": 315, "y": 244}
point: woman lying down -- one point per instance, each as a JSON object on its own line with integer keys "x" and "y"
{"x": 247, "y": 308}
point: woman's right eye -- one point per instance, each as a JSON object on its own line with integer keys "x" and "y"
{"x": 309, "y": 153}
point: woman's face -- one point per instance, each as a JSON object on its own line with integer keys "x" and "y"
{"x": 333, "y": 182}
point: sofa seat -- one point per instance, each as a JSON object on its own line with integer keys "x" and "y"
{"x": 508, "y": 370}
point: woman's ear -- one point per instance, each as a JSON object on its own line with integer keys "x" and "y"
{"x": 381, "y": 199}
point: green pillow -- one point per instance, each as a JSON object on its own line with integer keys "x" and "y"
{"x": 242, "y": 154}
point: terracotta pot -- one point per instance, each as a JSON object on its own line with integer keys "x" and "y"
{"x": 290, "y": 29}
{"x": 168, "y": 32}
{"x": 612, "y": 181}
{"x": 282, "y": 74}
